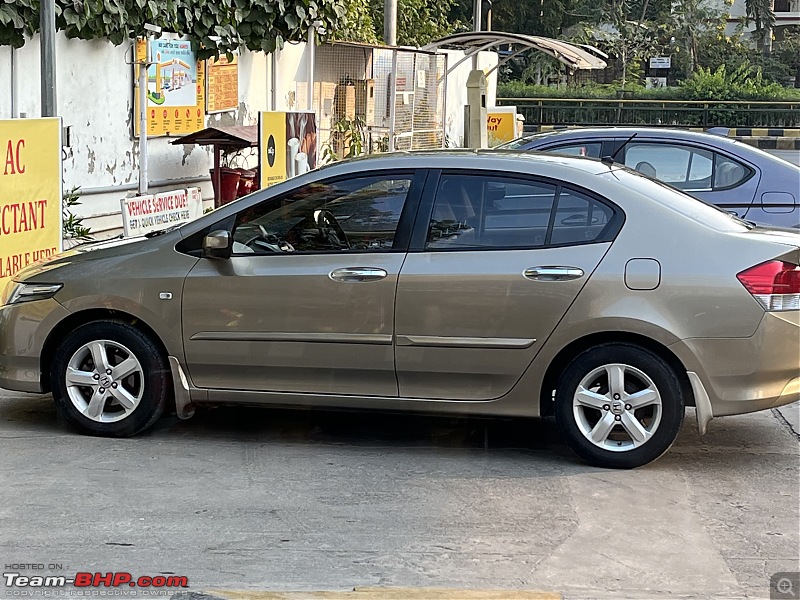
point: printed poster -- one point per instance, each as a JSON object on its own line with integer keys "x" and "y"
{"x": 30, "y": 193}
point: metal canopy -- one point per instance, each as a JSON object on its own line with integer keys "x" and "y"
{"x": 473, "y": 42}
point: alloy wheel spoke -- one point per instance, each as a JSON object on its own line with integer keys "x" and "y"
{"x": 126, "y": 400}
{"x": 127, "y": 367}
{"x": 643, "y": 398}
{"x": 96, "y": 405}
{"x": 635, "y": 429}
{"x": 99, "y": 356}
{"x": 616, "y": 379}
{"x": 78, "y": 377}
{"x": 600, "y": 432}
{"x": 590, "y": 399}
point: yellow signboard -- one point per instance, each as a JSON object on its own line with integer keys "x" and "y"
{"x": 176, "y": 88}
{"x": 501, "y": 125}
{"x": 272, "y": 147}
{"x": 30, "y": 193}
{"x": 223, "y": 84}
{"x": 287, "y": 145}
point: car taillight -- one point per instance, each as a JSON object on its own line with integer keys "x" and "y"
{"x": 775, "y": 284}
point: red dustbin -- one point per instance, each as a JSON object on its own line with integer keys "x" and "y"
{"x": 229, "y": 184}
{"x": 247, "y": 182}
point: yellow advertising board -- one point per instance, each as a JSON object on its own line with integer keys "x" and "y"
{"x": 501, "y": 125}
{"x": 30, "y": 193}
{"x": 223, "y": 84}
{"x": 272, "y": 147}
{"x": 287, "y": 145}
{"x": 176, "y": 88}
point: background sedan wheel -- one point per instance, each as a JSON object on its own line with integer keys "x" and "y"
{"x": 108, "y": 378}
{"x": 619, "y": 405}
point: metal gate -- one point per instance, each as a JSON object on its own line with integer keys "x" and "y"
{"x": 377, "y": 99}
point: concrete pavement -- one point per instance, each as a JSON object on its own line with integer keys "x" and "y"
{"x": 276, "y": 500}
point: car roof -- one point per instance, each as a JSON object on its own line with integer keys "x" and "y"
{"x": 625, "y": 132}
{"x": 486, "y": 159}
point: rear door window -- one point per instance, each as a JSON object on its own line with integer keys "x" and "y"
{"x": 495, "y": 211}
{"x": 685, "y": 167}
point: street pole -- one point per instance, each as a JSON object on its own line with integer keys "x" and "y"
{"x": 143, "y": 116}
{"x": 476, "y": 15}
{"x": 390, "y": 22}
{"x": 47, "y": 55}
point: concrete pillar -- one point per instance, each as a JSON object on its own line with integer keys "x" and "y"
{"x": 476, "y": 114}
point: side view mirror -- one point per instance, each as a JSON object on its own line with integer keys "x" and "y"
{"x": 217, "y": 244}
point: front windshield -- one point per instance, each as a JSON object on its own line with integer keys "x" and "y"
{"x": 517, "y": 144}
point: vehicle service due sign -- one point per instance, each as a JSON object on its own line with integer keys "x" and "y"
{"x": 145, "y": 214}
{"x": 30, "y": 193}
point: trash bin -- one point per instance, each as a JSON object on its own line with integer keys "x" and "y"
{"x": 247, "y": 182}
{"x": 229, "y": 185}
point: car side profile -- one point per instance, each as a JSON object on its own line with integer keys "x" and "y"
{"x": 739, "y": 178}
{"x": 467, "y": 282}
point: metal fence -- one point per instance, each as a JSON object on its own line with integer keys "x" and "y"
{"x": 553, "y": 111}
{"x": 370, "y": 99}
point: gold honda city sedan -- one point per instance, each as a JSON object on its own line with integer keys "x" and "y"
{"x": 470, "y": 282}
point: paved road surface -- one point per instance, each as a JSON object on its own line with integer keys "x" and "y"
{"x": 249, "y": 498}
{"x": 790, "y": 155}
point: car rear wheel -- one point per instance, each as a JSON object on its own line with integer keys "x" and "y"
{"x": 619, "y": 406}
{"x": 108, "y": 378}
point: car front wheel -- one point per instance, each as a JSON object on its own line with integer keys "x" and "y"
{"x": 619, "y": 406}
{"x": 108, "y": 378}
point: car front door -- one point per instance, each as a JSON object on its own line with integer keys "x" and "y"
{"x": 495, "y": 263}
{"x": 306, "y": 301}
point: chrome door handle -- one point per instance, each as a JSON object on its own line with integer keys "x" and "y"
{"x": 553, "y": 273}
{"x": 357, "y": 274}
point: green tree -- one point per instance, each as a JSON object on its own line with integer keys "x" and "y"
{"x": 215, "y": 26}
{"x": 762, "y": 14}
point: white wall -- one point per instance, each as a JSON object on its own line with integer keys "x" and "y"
{"x": 457, "y": 90}
{"x": 95, "y": 99}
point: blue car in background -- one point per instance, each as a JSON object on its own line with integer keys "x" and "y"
{"x": 741, "y": 179}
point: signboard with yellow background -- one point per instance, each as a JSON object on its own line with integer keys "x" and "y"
{"x": 287, "y": 145}
{"x": 30, "y": 193}
{"x": 501, "y": 125}
{"x": 176, "y": 89}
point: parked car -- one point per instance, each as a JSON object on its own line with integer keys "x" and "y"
{"x": 489, "y": 283}
{"x": 744, "y": 180}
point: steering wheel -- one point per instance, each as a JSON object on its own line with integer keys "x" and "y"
{"x": 330, "y": 229}
{"x": 264, "y": 241}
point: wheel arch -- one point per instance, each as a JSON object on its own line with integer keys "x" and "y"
{"x": 83, "y": 317}
{"x": 574, "y": 348}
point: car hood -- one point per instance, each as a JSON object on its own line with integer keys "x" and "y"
{"x": 90, "y": 251}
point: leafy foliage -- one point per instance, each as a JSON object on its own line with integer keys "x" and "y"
{"x": 215, "y": 26}
{"x": 72, "y": 227}
{"x": 418, "y": 21}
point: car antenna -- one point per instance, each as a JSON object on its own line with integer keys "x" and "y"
{"x": 609, "y": 160}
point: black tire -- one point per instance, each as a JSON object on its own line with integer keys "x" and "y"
{"x": 151, "y": 384}
{"x": 629, "y": 454}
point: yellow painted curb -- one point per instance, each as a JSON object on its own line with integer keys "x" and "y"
{"x": 390, "y": 593}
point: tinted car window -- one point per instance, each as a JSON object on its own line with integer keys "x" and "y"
{"x": 578, "y": 218}
{"x": 356, "y": 214}
{"x": 681, "y": 166}
{"x": 472, "y": 211}
{"x": 728, "y": 172}
{"x": 585, "y": 149}
{"x": 685, "y": 167}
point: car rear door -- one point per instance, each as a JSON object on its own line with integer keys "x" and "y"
{"x": 495, "y": 262}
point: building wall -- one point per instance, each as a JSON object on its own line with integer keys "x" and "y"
{"x": 95, "y": 99}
